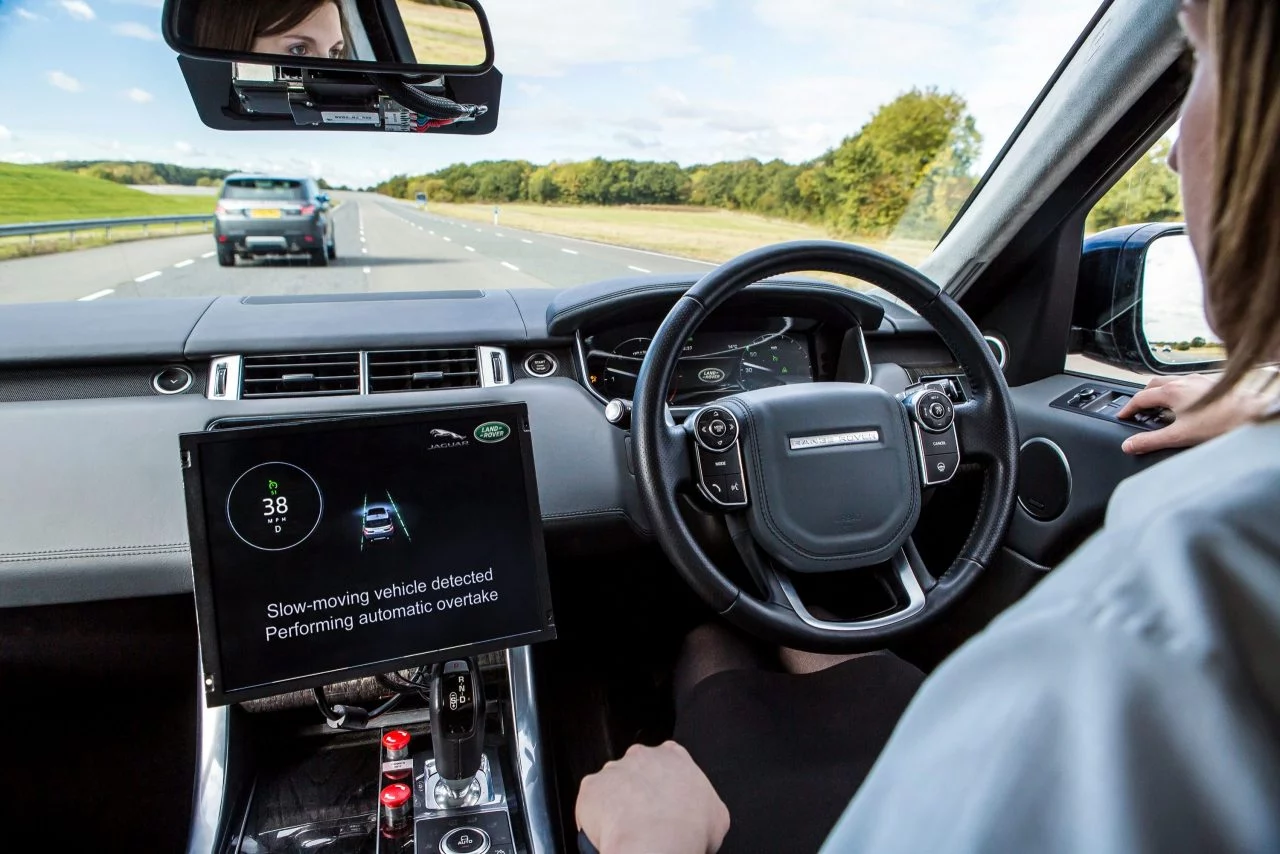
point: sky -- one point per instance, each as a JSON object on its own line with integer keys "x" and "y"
{"x": 695, "y": 81}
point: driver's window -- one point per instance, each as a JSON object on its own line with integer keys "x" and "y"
{"x": 1173, "y": 303}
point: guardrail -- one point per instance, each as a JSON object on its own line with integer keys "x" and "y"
{"x": 71, "y": 226}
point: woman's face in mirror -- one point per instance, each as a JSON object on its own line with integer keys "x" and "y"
{"x": 318, "y": 35}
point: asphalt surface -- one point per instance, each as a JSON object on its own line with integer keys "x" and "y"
{"x": 383, "y": 246}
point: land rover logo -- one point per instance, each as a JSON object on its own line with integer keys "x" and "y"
{"x": 492, "y": 432}
{"x": 711, "y": 375}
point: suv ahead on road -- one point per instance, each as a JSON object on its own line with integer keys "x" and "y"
{"x": 261, "y": 215}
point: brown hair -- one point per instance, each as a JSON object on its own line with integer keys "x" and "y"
{"x": 1243, "y": 277}
{"x": 233, "y": 25}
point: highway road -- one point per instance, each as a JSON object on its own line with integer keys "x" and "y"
{"x": 383, "y": 246}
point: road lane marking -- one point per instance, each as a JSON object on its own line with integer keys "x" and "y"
{"x": 638, "y": 269}
{"x": 569, "y": 251}
{"x": 362, "y": 238}
{"x": 98, "y": 295}
{"x": 154, "y": 274}
{"x": 469, "y": 248}
{"x": 526, "y": 240}
{"x": 364, "y": 249}
{"x": 448, "y": 239}
{"x": 432, "y": 233}
{"x": 209, "y": 254}
{"x": 497, "y": 234}
{"x": 181, "y": 264}
{"x": 511, "y": 266}
{"x": 368, "y": 269}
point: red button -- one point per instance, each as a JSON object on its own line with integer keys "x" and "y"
{"x": 396, "y": 739}
{"x": 396, "y": 795}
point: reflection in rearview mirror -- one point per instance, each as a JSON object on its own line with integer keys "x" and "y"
{"x": 429, "y": 32}
{"x": 1173, "y": 314}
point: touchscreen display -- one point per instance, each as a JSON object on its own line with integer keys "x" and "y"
{"x": 332, "y": 549}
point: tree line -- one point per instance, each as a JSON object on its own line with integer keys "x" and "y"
{"x": 906, "y": 170}
{"x": 139, "y": 172}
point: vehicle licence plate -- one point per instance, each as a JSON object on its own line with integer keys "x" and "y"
{"x": 264, "y": 213}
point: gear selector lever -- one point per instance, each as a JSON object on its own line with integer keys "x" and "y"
{"x": 457, "y": 730}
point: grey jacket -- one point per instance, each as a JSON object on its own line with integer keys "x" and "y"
{"x": 1131, "y": 703}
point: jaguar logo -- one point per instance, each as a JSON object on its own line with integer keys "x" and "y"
{"x": 711, "y": 376}
{"x": 446, "y": 434}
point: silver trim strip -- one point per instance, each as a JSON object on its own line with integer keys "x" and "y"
{"x": 831, "y": 440}
{"x": 487, "y": 379}
{"x": 866, "y": 355}
{"x": 364, "y": 372}
{"x": 530, "y": 766}
{"x": 915, "y": 602}
{"x": 1066, "y": 464}
{"x": 1002, "y": 350}
{"x": 211, "y": 779}
{"x": 233, "y": 366}
{"x": 155, "y": 379}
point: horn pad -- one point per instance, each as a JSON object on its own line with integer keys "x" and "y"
{"x": 832, "y": 474}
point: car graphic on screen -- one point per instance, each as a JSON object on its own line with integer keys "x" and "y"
{"x": 378, "y": 525}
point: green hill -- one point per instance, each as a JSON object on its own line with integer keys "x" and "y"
{"x": 40, "y": 194}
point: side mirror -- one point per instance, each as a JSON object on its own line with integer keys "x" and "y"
{"x": 371, "y": 36}
{"x": 1140, "y": 303}
{"x": 323, "y": 199}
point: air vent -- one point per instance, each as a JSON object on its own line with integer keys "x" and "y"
{"x": 420, "y": 370}
{"x": 312, "y": 375}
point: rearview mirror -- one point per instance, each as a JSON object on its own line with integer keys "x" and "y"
{"x": 1140, "y": 303}
{"x": 373, "y": 36}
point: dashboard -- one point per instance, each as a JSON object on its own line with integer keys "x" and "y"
{"x": 724, "y": 357}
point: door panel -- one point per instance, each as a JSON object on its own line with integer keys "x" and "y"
{"x": 1091, "y": 447}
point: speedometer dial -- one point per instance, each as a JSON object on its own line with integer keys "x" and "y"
{"x": 773, "y": 360}
{"x": 617, "y": 377}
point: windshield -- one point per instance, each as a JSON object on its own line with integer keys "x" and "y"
{"x": 632, "y": 139}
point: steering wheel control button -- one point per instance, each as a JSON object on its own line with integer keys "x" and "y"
{"x": 728, "y": 490}
{"x": 935, "y": 444}
{"x": 940, "y": 468}
{"x": 716, "y": 429}
{"x": 541, "y": 364}
{"x": 714, "y": 464}
{"x": 174, "y": 379}
{"x": 465, "y": 840}
{"x": 934, "y": 411}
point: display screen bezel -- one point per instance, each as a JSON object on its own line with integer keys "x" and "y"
{"x": 217, "y": 694}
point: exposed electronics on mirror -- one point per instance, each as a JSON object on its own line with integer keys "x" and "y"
{"x": 332, "y": 549}
{"x": 399, "y": 66}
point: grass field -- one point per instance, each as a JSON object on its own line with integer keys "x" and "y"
{"x": 39, "y": 194}
{"x": 704, "y": 234}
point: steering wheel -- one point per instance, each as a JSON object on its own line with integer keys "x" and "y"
{"x": 825, "y": 477}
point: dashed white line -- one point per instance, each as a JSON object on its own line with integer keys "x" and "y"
{"x": 181, "y": 264}
{"x": 98, "y": 295}
{"x": 569, "y": 251}
{"x": 526, "y": 240}
{"x": 154, "y": 274}
{"x": 209, "y": 254}
{"x": 497, "y": 234}
{"x": 638, "y": 269}
{"x": 432, "y": 233}
{"x": 368, "y": 269}
{"x": 362, "y": 240}
{"x": 364, "y": 250}
{"x": 469, "y": 248}
{"x": 511, "y": 266}
{"x": 448, "y": 239}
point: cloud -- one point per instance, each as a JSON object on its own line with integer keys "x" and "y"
{"x": 722, "y": 62}
{"x": 184, "y": 147}
{"x": 134, "y": 30}
{"x": 139, "y": 96}
{"x": 28, "y": 15}
{"x": 5, "y": 134}
{"x": 64, "y": 81}
{"x": 78, "y": 9}
{"x": 635, "y": 140}
{"x": 586, "y": 32}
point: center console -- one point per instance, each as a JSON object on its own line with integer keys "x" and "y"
{"x": 366, "y": 592}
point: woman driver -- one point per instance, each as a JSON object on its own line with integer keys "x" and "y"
{"x": 299, "y": 28}
{"x": 1131, "y": 702}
